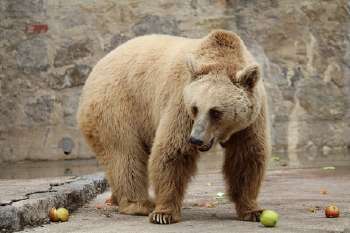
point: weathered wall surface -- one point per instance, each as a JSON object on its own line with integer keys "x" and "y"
{"x": 48, "y": 47}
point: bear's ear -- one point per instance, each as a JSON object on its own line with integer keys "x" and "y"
{"x": 224, "y": 38}
{"x": 249, "y": 76}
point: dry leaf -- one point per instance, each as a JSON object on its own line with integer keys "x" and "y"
{"x": 314, "y": 209}
{"x": 209, "y": 205}
{"x": 205, "y": 204}
{"x": 323, "y": 191}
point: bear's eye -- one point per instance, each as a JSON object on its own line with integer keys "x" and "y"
{"x": 215, "y": 114}
{"x": 194, "y": 110}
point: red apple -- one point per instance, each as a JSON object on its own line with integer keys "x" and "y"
{"x": 53, "y": 215}
{"x": 332, "y": 211}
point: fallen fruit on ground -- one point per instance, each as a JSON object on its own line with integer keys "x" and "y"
{"x": 53, "y": 215}
{"x": 62, "y": 214}
{"x": 269, "y": 218}
{"x": 220, "y": 195}
{"x": 109, "y": 201}
{"x": 332, "y": 211}
{"x": 329, "y": 168}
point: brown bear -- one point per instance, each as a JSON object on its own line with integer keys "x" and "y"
{"x": 150, "y": 106}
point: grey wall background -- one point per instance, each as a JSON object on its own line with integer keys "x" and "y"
{"x": 303, "y": 46}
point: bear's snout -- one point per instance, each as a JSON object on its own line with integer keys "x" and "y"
{"x": 196, "y": 141}
{"x": 200, "y": 144}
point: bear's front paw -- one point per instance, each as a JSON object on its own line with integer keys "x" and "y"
{"x": 157, "y": 217}
{"x": 252, "y": 216}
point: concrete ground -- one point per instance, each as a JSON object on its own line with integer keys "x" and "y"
{"x": 298, "y": 195}
{"x": 26, "y": 202}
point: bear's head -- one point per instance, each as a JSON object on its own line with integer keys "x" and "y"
{"x": 221, "y": 99}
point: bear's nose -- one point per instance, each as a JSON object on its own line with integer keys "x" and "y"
{"x": 196, "y": 141}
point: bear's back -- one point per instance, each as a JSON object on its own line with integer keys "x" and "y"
{"x": 141, "y": 57}
{"x": 140, "y": 71}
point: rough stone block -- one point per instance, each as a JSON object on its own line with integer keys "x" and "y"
{"x": 73, "y": 77}
{"x": 156, "y": 24}
{"x": 32, "y": 54}
{"x": 72, "y": 51}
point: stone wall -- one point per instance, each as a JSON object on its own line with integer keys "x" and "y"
{"x": 48, "y": 47}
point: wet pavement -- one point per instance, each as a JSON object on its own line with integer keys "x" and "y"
{"x": 209, "y": 161}
{"x": 44, "y": 169}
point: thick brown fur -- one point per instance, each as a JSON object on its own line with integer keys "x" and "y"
{"x": 135, "y": 117}
{"x": 244, "y": 167}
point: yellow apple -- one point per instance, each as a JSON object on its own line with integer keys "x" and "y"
{"x": 63, "y": 214}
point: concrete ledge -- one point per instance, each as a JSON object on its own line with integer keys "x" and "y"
{"x": 32, "y": 209}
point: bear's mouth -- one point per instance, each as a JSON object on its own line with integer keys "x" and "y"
{"x": 204, "y": 148}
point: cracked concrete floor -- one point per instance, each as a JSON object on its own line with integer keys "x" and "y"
{"x": 21, "y": 189}
{"x": 296, "y": 194}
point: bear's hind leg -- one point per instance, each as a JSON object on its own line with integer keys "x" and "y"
{"x": 128, "y": 172}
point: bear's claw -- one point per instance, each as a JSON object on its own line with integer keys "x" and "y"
{"x": 253, "y": 216}
{"x": 161, "y": 218}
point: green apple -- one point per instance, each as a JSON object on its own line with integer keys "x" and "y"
{"x": 269, "y": 218}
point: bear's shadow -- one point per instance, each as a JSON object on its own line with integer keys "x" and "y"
{"x": 196, "y": 214}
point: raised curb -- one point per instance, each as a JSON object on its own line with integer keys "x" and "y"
{"x": 33, "y": 211}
